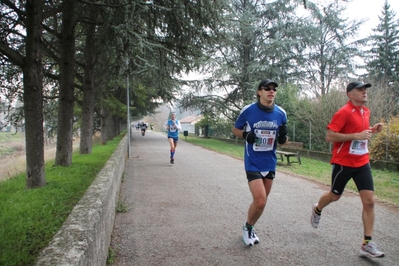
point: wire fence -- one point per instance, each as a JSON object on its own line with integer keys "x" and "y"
{"x": 312, "y": 137}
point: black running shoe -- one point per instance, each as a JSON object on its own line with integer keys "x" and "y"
{"x": 172, "y": 161}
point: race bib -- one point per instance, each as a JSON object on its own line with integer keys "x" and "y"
{"x": 359, "y": 147}
{"x": 265, "y": 141}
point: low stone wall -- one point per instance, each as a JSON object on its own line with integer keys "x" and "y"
{"x": 85, "y": 236}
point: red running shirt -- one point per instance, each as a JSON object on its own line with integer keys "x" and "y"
{"x": 350, "y": 119}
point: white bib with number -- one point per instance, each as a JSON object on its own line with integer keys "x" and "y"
{"x": 359, "y": 147}
{"x": 265, "y": 141}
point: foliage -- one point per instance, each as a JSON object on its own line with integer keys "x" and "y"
{"x": 385, "y": 145}
{"x": 219, "y": 127}
{"x": 30, "y": 218}
{"x": 383, "y": 58}
{"x": 258, "y": 38}
{"x": 382, "y": 62}
{"x": 327, "y": 47}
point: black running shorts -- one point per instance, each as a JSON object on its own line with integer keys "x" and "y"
{"x": 258, "y": 175}
{"x": 342, "y": 174}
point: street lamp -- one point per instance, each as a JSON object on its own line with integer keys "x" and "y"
{"x": 128, "y": 109}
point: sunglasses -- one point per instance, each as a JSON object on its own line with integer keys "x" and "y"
{"x": 269, "y": 89}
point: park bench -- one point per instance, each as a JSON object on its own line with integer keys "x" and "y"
{"x": 294, "y": 148}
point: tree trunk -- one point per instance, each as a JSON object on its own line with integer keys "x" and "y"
{"x": 89, "y": 91}
{"x": 112, "y": 127}
{"x": 63, "y": 155}
{"x": 33, "y": 97}
{"x": 103, "y": 127}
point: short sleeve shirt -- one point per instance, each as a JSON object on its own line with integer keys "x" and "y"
{"x": 261, "y": 156}
{"x": 173, "y": 131}
{"x": 350, "y": 119}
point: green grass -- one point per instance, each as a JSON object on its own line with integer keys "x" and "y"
{"x": 386, "y": 183}
{"x": 29, "y": 218}
{"x": 8, "y": 136}
{"x": 10, "y": 142}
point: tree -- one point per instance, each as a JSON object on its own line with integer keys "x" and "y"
{"x": 63, "y": 155}
{"x": 329, "y": 48}
{"x": 88, "y": 87}
{"x": 383, "y": 58}
{"x": 256, "y": 44}
{"x": 28, "y": 56}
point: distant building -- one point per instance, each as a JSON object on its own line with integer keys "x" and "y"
{"x": 188, "y": 123}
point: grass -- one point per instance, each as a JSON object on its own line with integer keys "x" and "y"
{"x": 29, "y": 218}
{"x": 9, "y": 136}
{"x": 386, "y": 183}
{"x": 10, "y": 143}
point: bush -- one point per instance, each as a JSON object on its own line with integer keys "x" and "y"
{"x": 385, "y": 145}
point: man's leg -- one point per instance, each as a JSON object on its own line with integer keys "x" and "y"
{"x": 172, "y": 149}
{"x": 260, "y": 189}
{"x": 326, "y": 199}
{"x": 369, "y": 248}
{"x": 368, "y": 216}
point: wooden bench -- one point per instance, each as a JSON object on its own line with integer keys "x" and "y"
{"x": 291, "y": 145}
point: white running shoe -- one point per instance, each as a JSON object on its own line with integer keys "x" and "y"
{"x": 314, "y": 218}
{"x": 371, "y": 250}
{"x": 254, "y": 236}
{"x": 247, "y": 235}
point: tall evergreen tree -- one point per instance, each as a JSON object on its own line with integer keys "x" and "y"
{"x": 25, "y": 51}
{"x": 383, "y": 58}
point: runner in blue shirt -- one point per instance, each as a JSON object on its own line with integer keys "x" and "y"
{"x": 262, "y": 124}
{"x": 173, "y": 126}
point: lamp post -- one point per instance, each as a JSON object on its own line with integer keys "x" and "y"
{"x": 128, "y": 113}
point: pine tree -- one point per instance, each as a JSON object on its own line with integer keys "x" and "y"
{"x": 382, "y": 61}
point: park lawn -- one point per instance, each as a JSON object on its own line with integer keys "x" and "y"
{"x": 386, "y": 183}
{"x": 29, "y": 218}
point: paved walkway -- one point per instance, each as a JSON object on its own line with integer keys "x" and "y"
{"x": 191, "y": 213}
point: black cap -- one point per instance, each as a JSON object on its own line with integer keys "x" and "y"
{"x": 357, "y": 85}
{"x": 266, "y": 82}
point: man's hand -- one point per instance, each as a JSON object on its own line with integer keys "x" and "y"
{"x": 249, "y": 137}
{"x": 377, "y": 128}
{"x": 365, "y": 134}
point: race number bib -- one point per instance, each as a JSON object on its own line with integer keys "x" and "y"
{"x": 172, "y": 128}
{"x": 359, "y": 147}
{"x": 265, "y": 141}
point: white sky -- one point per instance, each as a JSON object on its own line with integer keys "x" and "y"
{"x": 370, "y": 10}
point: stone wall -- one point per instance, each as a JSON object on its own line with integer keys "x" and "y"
{"x": 85, "y": 236}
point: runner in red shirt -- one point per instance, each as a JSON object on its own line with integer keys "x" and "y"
{"x": 350, "y": 132}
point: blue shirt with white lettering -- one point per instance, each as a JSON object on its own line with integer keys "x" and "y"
{"x": 261, "y": 156}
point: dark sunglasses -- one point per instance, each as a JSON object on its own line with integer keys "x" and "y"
{"x": 269, "y": 89}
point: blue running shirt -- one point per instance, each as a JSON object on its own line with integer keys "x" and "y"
{"x": 261, "y": 156}
{"x": 173, "y": 129}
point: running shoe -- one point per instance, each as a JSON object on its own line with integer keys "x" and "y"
{"x": 172, "y": 161}
{"x": 371, "y": 250}
{"x": 249, "y": 236}
{"x": 314, "y": 218}
{"x": 255, "y": 237}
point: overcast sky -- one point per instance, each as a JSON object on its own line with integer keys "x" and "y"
{"x": 370, "y": 10}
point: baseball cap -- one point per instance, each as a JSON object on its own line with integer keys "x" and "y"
{"x": 356, "y": 85}
{"x": 266, "y": 82}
